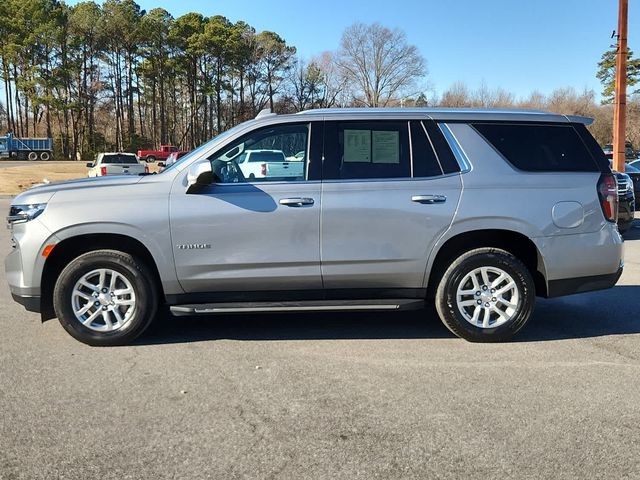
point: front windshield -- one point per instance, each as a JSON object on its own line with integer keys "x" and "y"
{"x": 205, "y": 146}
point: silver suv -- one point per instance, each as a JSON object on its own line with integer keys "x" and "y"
{"x": 475, "y": 211}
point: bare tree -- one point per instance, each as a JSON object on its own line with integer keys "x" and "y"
{"x": 457, "y": 95}
{"x": 378, "y": 63}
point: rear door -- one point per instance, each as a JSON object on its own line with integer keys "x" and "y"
{"x": 386, "y": 198}
{"x": 252, "y": 235}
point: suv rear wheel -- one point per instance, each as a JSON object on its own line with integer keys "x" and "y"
{"x": 105, "y": 297}
{"x": 486, "y": 295}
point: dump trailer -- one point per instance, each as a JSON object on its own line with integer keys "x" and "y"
{"x": 26, "y": 148}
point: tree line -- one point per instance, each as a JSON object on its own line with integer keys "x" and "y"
{"x": 113, "y": 76}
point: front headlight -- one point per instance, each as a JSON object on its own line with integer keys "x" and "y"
{"x": 24, "y": 213}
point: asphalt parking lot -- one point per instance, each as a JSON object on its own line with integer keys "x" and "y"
{"x": 328, "y": 396}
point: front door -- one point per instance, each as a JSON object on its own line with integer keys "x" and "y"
{"x": 253, "y": 235}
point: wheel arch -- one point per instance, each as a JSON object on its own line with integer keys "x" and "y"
{"x": 512, "y": 241}
{"x": 71, "y": 247}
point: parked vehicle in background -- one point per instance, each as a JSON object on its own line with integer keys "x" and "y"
{"x": 171, "y": 159}
{"x": 629, "y": 153}
{"x": 631, "y": 180}
{"x": 116, "y": 164}
{"x": 151, "y": 156}
{"x": 272, "y": 164}
{"x": 298, "y": 157}
{"x": 475, "y": 211}
{"x": 627, "y": 202}
{"x": 26, "y": 148}
{"x": 634, "y": 173}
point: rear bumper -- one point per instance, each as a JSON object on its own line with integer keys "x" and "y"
{"x": 30, "y": 303}
{"x": 569, "y": 286}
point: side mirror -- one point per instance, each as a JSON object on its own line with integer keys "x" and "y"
{"x": 233, "y": 152}
{"x": 89, "y": 165}
{"x": 199, "y": 174}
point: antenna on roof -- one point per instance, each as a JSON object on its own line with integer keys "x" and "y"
{"x": 265, "y": 112}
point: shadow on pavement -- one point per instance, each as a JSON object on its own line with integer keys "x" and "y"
{"x": 634, "y": 232}
{"x": 595, "y": 314}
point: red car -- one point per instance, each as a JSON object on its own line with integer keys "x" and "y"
{"x": 151, "y": 156}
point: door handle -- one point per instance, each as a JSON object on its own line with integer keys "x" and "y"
{"x": 296, "y": 202}
{"x": 429, "y": 199}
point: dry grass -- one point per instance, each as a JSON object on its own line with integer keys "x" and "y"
{"x": 16, "y": 179}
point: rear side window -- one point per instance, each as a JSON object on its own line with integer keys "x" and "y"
{"x": 540, "y": 147}
{"x": 369, "y": 150}
{"x": 425, "y": 161}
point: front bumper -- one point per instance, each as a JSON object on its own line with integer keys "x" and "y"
{"x": 30, "y": 303}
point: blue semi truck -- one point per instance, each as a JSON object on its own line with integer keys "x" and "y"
{"x": 26, "y": 148}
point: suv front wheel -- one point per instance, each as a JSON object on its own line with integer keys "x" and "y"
{"x": 486, "y": 295}
{"x": 105, "y": 297}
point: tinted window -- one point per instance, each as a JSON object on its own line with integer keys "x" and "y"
{"x": 596, "y": 152}
{"x": 119, "y": 158}
{"x": 539, "y": 147}
{"x": 425, "y": 162}
{"x": 443, "y": 150}
{"x": 368, "y": 150}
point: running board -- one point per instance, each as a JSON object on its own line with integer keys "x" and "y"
{"x": 298, "y": 306}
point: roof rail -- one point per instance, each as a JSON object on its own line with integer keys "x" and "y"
{"x": 265, "y": 112}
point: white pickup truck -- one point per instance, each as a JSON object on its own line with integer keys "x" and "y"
{"x": 116, "y": 164}
{"x": 256, "y": 164}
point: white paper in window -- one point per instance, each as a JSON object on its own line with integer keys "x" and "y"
{"x": 386, "y": 147}
{"x": 357, "y": 146}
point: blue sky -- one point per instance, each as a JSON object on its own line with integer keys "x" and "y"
{"x": 520, "y": 45}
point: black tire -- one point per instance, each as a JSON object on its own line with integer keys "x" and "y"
{"x": 45, "y": 156}
{"x": 136, "y": 272}
{"x": 32, "y": 156}
{"x": 150, "y": 159}
{"x": 446, "y": 293}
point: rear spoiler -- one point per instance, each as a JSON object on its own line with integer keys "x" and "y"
{"x": 579, "y": 119}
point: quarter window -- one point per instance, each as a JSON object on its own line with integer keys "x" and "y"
{"x": 539, "y": 147}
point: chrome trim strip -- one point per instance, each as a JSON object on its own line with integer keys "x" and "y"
{"x": 456, "y": 148}
{"x": 316, "y": 308}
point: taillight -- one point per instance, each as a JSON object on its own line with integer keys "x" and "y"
{"x": 103, "y": 171}
{"x": 146, "y": 169}
{"x": 608, "y": 194}
{"x": 263, "y": 169}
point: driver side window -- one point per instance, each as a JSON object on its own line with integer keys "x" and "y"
{"x": 273, "y": 154}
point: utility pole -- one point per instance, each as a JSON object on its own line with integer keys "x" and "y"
{"x": 620, "y": 110}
